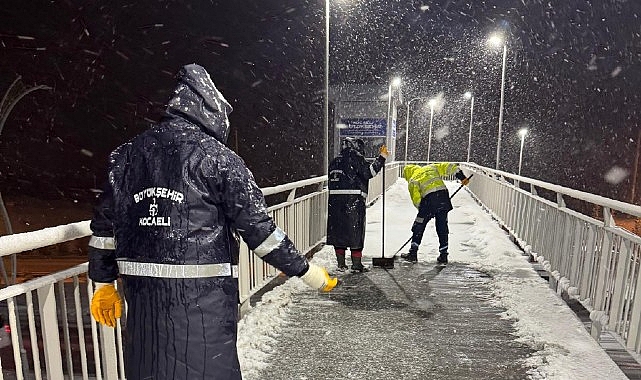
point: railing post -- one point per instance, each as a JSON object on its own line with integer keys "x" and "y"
{"x": 108, "y": 352}
{"x": 608, "y": 220}
{"x": 622, "y": 267}
{"x": 633, "y": 341}
{"x": 291, "y": 196}
{"x": 50, "y": 337}
{"x": 13, "y": 322}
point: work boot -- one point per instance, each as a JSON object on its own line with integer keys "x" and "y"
{"x": 412, "y": 255}
{"x": 442, "y": 257}
{"x": 357, "y": 265}
{"x": 340, "y": 259}
{"x": 412, "y": 258}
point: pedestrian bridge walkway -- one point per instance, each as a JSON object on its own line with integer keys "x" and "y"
{"x": 486, "y": 315}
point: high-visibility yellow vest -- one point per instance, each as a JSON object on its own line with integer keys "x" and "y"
{"x": 423, "y": 180}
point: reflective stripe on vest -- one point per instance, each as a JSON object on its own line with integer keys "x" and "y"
{"x": 428, "y": 187}
{"x": 135, "y": 268}
{"x": 348, "y": 192}
{"x": 102, "y": 242}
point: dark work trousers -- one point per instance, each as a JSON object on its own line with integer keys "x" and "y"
{"x": 418, "y": 228}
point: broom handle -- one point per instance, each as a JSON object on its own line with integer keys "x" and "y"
{"x": 383, "y": 218}
{"x": 403, "y": 246}
{"x": 460, "y": 187}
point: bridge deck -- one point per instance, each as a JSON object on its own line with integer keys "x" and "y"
{"x": 486, "y": 315}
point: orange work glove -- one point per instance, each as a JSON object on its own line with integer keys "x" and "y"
{"x": 318, "y": 278}
{"x": 106, "y": 304}
{"x": 383, "y": 151}
{"x": 465, "y": 181}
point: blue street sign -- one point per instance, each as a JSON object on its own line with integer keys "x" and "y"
{"x": 363, "y": 127}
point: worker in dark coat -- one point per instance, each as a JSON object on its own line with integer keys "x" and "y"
{"x": 167, "y": 226}
{"x": 349, "y": 175}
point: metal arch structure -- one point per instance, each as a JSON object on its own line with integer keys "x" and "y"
{"x": 16, "y": 91}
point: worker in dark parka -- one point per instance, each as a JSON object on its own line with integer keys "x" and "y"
{"x": 167, "y": 226}
{"x": 349, "y": 175}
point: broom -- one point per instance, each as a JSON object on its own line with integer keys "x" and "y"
{"x": 383, "y": 262}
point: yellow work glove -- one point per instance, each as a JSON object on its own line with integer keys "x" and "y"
{"x": 106, "y": 304}
{"x": 383, "y": 151}
{"x": 465, "y": 181}
{"x": 318, "y": 278}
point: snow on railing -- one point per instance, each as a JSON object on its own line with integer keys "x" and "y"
{"x": 592, "y": 260}
{"x": 58, "y": 323}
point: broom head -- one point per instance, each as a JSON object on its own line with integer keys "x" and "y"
{"x": 383, "y": 262}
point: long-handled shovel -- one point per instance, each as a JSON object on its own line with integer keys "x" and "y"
{"x": 388, "y": 262}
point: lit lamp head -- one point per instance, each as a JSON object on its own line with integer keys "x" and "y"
{"x": 523, "y": 133}
{"x": 495, "y": 40}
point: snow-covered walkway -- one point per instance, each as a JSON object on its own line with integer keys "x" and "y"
{"x": 487, "y": 315}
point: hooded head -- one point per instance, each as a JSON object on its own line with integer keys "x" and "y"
{"x": 354, "y": 143}
{"x": 197, "y": 99}
{"x": 409, "y": 170}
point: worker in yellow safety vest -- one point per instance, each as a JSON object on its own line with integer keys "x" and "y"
{"x": 430, "y": 196}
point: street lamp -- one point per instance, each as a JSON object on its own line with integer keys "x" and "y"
{"x": 469, "y": 95}
{"x": 522, "y": 133}
{"x": 432, "y": 103}
{"x": 326, "y": 100}
{"x": 407, "y": 123}
{"x": 497, "y": 40}
{"x": 395, "y": 82}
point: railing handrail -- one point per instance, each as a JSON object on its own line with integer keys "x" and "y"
{"x": 26, "y": 241}
{"x": 293, "y": 185}
{"x": 34, "y": 284}
{"x": 612, "y": 204}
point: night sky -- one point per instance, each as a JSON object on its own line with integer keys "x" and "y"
{"x": 573, "y": 78}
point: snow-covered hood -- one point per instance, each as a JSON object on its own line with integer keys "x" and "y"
{"x": 197, "y": 99}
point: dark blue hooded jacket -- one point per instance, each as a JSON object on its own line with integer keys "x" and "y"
{"x": 167, "y": 226}
{"x": 349, "y": 175}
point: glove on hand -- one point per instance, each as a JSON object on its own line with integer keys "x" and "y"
{"x": 465, "y": 181}
{"x": 317, "y": 277}
{"x": 383, "y": 151}
{"x": 106, "y": 304}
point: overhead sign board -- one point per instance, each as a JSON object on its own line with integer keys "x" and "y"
{"x": 365, "y": 127}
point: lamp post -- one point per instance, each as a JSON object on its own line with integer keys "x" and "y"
{"x": 522, "y": 133}
{"x": 326, "y": 100}
{"x": 432, "y": 103}
{"x": 407, "y": 123}
{"x": 395, "y": 82}
{"x": 469, "y": 95}
{"x": 497, "y": 40}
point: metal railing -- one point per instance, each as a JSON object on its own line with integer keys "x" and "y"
{"x": 591, "y": 259}
{"x": 55, "y": 308}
